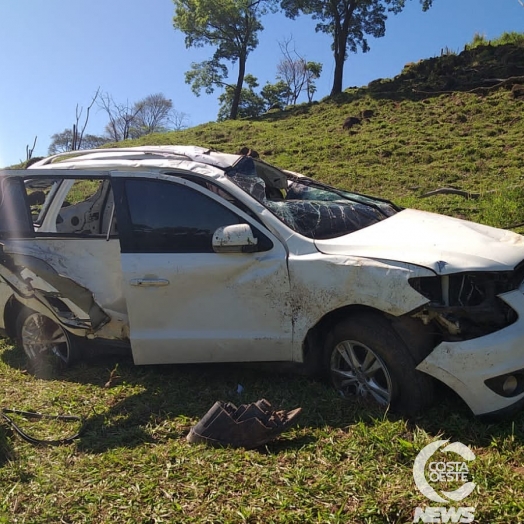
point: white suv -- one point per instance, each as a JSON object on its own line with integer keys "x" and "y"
{"x": 185, "y": 254}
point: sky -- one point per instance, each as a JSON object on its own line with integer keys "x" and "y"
{"x": 55, "y": 54}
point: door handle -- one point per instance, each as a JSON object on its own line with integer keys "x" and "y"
{"x": 155, "y": 282}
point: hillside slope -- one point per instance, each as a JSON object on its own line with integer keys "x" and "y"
{"x": 451, "y": 121}
{"x": 447, "y": 121}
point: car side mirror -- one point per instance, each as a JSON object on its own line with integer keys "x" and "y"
{"x": 237, "y": 238}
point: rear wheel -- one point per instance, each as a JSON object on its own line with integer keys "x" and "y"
{"x": 366, "y": 358}
{"x": 44, "y": 341}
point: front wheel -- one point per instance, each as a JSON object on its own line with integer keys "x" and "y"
{"x": 366, "y": 358}
{"x": 44, "y": 341}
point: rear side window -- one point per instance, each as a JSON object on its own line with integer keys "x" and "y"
{"x": 87, "y": 209}
{"x": 82, "y": 207}
{"x": 172, "y": 218}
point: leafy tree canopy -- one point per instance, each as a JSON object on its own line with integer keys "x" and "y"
{"x": 62, "y": 142}
{"x": 231, "y": 27}
{"x": 251, "y": 104}
{"x": 277, "y": 94}
{"x": 152, "y": 114}
{"x": 348, "y": 22}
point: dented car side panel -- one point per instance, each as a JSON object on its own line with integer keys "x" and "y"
{"x": 208, "y": 307}
{"x": 97, "y": 272}
{"x": 322, "y": 284}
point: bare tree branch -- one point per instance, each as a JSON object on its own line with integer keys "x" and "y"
{"x": 78, "y": 134}
{"x": 81, "y": 134}
{"x": 121, "y": 117}
{"x": 298, "y": 74}
{"x": 29, "y": 151}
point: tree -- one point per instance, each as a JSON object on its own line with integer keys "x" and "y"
{"x": 152, "y": 114}
{"x": 78, "y": 129}
{"x": 64, "y": 141}
{"x": 178, "y": 120}
{"x": 231, "y": 27}
{"x": 156, "y": 115}
{"x": 277, "y": 94}
{"x": 313, "y": 70}
{"x": 250, "y": 104}
{"x": 297, "y": 74}
{"x": 74, "y": 138}
{"x": 29, "y": 150}
{"x": 348, "y": 22}
{"x": 121, "y": 117}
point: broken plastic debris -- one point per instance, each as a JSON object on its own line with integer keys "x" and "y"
{"x": 248, "y": 426}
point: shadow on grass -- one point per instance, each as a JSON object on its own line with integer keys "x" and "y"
{"x": 142, "y": 399}
{"x": 6, "y": 449}
{"x": 185, "y": 393}
{"x": 164, "y": 402}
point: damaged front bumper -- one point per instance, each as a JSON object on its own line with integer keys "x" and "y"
{"x": 488, "y": 371}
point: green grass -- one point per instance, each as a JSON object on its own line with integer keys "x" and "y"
{"x": 344, "y": 462}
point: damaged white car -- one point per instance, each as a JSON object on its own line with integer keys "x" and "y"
{"x": 183, "y": 254}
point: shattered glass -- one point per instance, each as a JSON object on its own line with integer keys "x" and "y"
{"x": 251, "y": 184}
{"x": 312, "y": 209}
{"x": 317, "y": 219}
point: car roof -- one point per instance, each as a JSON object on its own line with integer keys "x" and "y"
{"x": 151, "y": 156}
{"x": 204, "y": 161}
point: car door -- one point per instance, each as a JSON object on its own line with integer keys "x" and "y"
{"x": 187, "y": 303}
{"x": 60, "y": 250}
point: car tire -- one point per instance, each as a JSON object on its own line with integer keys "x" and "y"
{"x": 45, "y": 343}
{"x": 365, "y": 357}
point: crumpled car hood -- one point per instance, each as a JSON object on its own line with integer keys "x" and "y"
{"x": 444, "y": 244}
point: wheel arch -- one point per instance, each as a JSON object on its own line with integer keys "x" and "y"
{"x": 11, "y": 311}
{"x": 313, "y": 346}
{"x": 418, "y": 337}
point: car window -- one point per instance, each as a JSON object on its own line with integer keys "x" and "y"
{"x": 37, "y": 190}
{"x": 171, "y": 218}
{"x": 306, "y": 206}
{"x": 221, "y": 192}
{"x": 86, "y": 208}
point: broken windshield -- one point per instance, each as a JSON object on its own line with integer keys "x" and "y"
{"x": 306, "y": 206}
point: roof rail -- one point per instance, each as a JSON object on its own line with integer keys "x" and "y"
{"x": 78, "y": 154}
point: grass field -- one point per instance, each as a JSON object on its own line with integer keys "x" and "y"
{"x": 344, "y": 462}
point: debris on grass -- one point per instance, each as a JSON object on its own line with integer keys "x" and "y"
{"x": 248, "y": 426}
